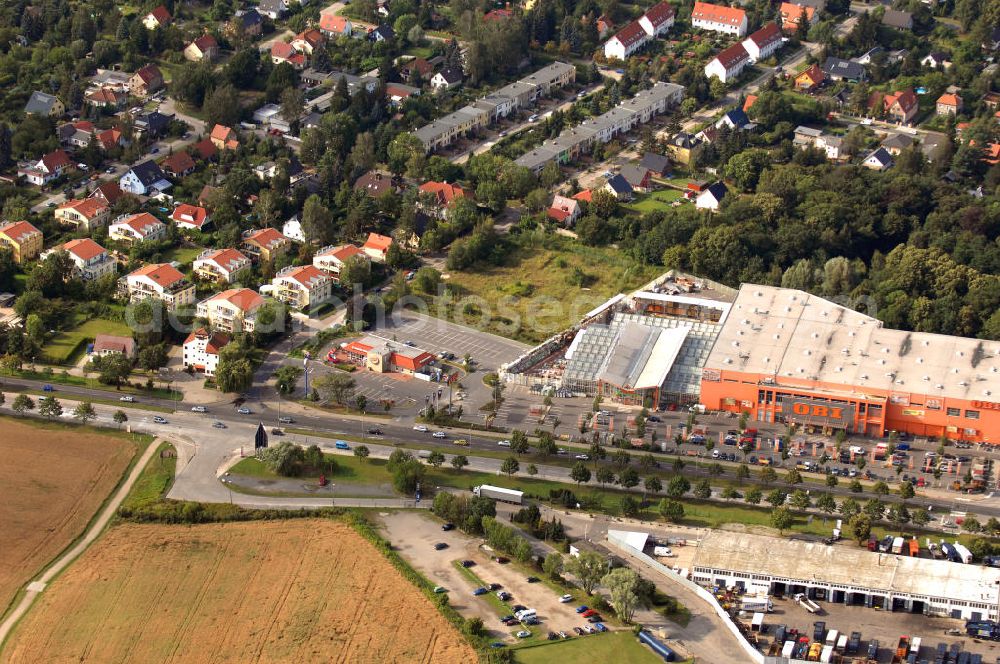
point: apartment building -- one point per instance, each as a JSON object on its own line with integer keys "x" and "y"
{"x": 223, "y": 265}
{"x": 302, "y": 287}
{"x": 231, "y": 311}
{"x": 159, "y": 281}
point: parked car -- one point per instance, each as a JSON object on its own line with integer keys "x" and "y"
{"x": 480, "y": 591}
{"x": 582, "y": 608}
{"x": 199, "y": 409}
{"x": 341, "y": 445}
{"x": 533, "y": 579}
{"x": 126, "y": 398}
{"x": 523, "y": 634}
{"x": 579, "y": 631}
{"x": 564, "y": 635}
{"x": 243, "y": 410}
{"x": 502, "y": 560}
{"x": 594, "y": 619}
{"x": 374, "y": 431}
{"x": 566, "y": 598}
{"x": 495, "y": 586}
{"x": 448, "y": 526}
{"x": 504, "y": 443}
{"x": 552, "y": 636}
{"x": 583, "y": 457}
{"x": 439, "y": 589}
{"x": 468, "y": 563}
{"x": 277, "y": 432}
{"x": 600, "y": 627}
{"x": 219, "y": 425}
{"x": 440, "y": 545}
{"x": 504, "y": 596}
{"x": 462, "y": 441}
{"x": 159, "y": 420}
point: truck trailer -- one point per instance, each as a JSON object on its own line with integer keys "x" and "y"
{"x": 755, "y": 604}
{"x": 806, "y": 603}
{"x": 963, "y": 553}
{"x": 499, "y": 493}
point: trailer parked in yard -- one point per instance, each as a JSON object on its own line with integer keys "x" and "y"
{"x": 963, "y": 553}
{"x": 753, "y": 604}
{"x": 499, "y": 493}
{"x": 902, "y": 650}
{"x": 660, "y": 648}
{"x": 806, "y": 603}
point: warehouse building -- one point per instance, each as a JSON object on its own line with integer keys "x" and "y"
{"x": 787, "y": 356}
{"x": 846, "y": 575}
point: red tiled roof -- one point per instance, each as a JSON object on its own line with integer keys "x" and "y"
{"x": 905, "y": 98}
{"x": 190, "y": 214}
{"x": 732, "y": 55}
{"x": 279, "y": 49}
{"x": 497, "y": 14}
{"x": 791, "y": 13}
{"x": 162, "y": 274}
{"x": 814, "y": 74}
{"x": 411, "y": 363}
{"x": 149, "y": 73}
{"x": 224, "y": 133}
{"x": 266, "y": 237}
{"x": 558, "y": 214}
{"x": 444, "y": 192}
{"x": 19, "y": 231}
{"x": 109, "y": 138}
{"x": 631, "y": 34}
{"x": 717, "y": 13}
{"x": 178, "y": 162}
{"x": 749, "y": 102}
{"x": 109, "y": 191}
{"x": 306, "y": 273}
{"x": 586, "y": 195}
{"x": 224, "y": 258}
{"x": 660, "y": 13}
{"x": 949, "y": 100}
{"x": 55, "y": 160}
{"x": 766, "y": 36}
{"x": 216, "y": 340}
{"x": 378, "y": 242}
{"x": 343, "y": 252}
{"x": 160, "y": 14}
{"x": 206, "y": 42}
{"x": 311, "y": 36}
{"x": 205, "y": 148}
{"x": 105, "y": 96}
{"x": 333, "y": 23}
{"x": 88, "y": 207}
{"x": 84, "y": 248}
{"x": 142, "y": 223}
{"x": 243, "y": 299}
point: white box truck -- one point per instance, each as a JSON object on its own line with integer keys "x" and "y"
{"x": 663, "y": 551}
{"x": 499, "y": 493}
{"x": 759, "y": 603}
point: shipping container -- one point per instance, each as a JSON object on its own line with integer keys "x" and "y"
{"x": 499, "y": 493}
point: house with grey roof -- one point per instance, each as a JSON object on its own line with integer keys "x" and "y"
{"x": 44, "y": 104}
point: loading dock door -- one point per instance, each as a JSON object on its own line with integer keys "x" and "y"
{"x": 838, "y": 597}
{"x": 898, "y": 604}
{"x": 918, "y": 607}
{"x": 741, "y": 586}
{"x": 977, "y": 615}
{"x": 956, "y": 614}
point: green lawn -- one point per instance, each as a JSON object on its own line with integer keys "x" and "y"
{"x": 658, "y": 200}
{"x": 590, "y": 649}
{"x": 548, "y": 285}
{"x": 183, "y": 255}
{"x": 67, "y": 347}
{"x": 155, "y": 480}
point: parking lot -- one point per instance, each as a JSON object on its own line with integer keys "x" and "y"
{"x": 413, "y": 535}
{"x": 488, "y": 351}
{"x": 884, "y": 626}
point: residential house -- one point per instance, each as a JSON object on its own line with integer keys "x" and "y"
{"x": 898, "y": 20}
{"x": 901, "y": 106}
{"x": 178, "y": 164}
{"x": 949, "y": 104}
{"x": 833, "y": 146}
{"x": 90, "y": 260}
{"x": 283, "y": 52}
{"x": 146, "y": 81}
{"x": 680, "y": 146}
{"x": 87, "y": 214}
{"x": 639, "y": 178}
{"x": 40, "y": 103}
{"x": 375, "y": 183}
{"x": 106, "y": 98}
{"x": 377, "y": 247}
{"x": 604, "y": 26}
{"x": 207, "y": 195}
{"x": 734, "y": 119}
{"x": 894, "y": 144}
{"x": 397, "y": 93}
{"x": 728, "y": 64}
{"x": 110, "y": 78}
{"x": 879, "y": 160}
{"x": 201, "y": 350}
{"x": 794, "y": 15}
{"x": 711, "y": 197}
{"x": 443, "y": 194}
{"x": 134, "y": 228}
{"x": 224, "y": 265}
{"x": 205, "y": 149}
{"x": 333, "y": 258}
{"x": 837, "y": 69}
{"x": 446, "y": 79}
{"x": 109, "y": 192}
{"x": 500, "y": 14}
{"x": 628, "y": 40}
{"x": 810, "y": 80}
{"x": 807, "y": 136}
{"x": 158, "y": 18}
{"x": 232, "y": 311}
{"x": 308, "y": 40}
{"x": 657, "y": 164}
{"x": 333, "y": 25}
{"x": 247, "y": 23}
{"x": 273, "y": 9}
{"x": 202, "y": 48}
{"x": 618, "y": 187}
{"x": 23, "y": 240}
{"x": 153, "y": 124}
{"x": 991, "y": 100}
{"x": 302, "y": 287}
{"x": 416, "y": 66}
{"x": 382, "y": 33}
{"x": 224, "y": 138}
{"x": 191, "y": 217}
{"x": 47, "y": 169}
{"x": 265, "y": 244}
{"x": 658, "y": 19}
{"x": 144, "y": 179}
{"x": 936, "y": 59}
{"x": 718, "y": 18}
{"x": 564, "y": 210}
{"x": 111, "y": 138}
{"x": 110, "y": 344}
{"x": 762, "y": 44}
{"x": 159, "y": 281}
{"x": 77, "y": 134}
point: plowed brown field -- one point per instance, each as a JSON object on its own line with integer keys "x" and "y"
{"x": 286, "y": 591}
{"x": 51, "y": 483}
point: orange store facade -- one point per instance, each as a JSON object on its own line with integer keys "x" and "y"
{"x": 828, "y": 407}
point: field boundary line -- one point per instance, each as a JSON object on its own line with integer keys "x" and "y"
{"x": 88, "y": 538}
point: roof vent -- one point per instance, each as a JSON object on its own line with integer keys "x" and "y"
{"x": 954, "y": 369}
{"x": 826, "y": 313}
{"x": 758, "y": 293}
{"x": 899, "y": 382}
{"x": 781, "y": 326}
{"x": 777, "y": 336}
{"x": 864, "y": 376}
{"x": 728, "y": 360}
{"x": 881, "y": 361}
{"x": 766, "y": 360}
{"x": 963, "y": 383}
{"x": 885, "y": 350}
{"x": 736, "y": 344}
{"x": 920, "y": 360}
{"x": 788, "y": 309}
{"x": 801, "y": 370}
{"x": 987, "y": 393}
{"x": 815, "y": 335}
{"x": 927, "y": 378}
{"x": 839, "y": 369}
{"x": 807, "y": 352}
{"x": 845, "y": 350}
{"x": 851, "y": 333}
{"x": 959, "y": 353}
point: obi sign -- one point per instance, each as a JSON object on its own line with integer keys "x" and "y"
{"x": 819, "y": 412}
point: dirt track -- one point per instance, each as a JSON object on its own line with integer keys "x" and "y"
{"x": 289, "y": 591}
{"x": 51, "y": 483}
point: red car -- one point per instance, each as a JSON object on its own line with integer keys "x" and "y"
{"x": 588, "y": 613}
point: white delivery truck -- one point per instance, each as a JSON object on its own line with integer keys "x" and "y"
{"x": 753, "y": 604}
{"x": 499, "y": 493}
{"x": 662, "y": 551}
